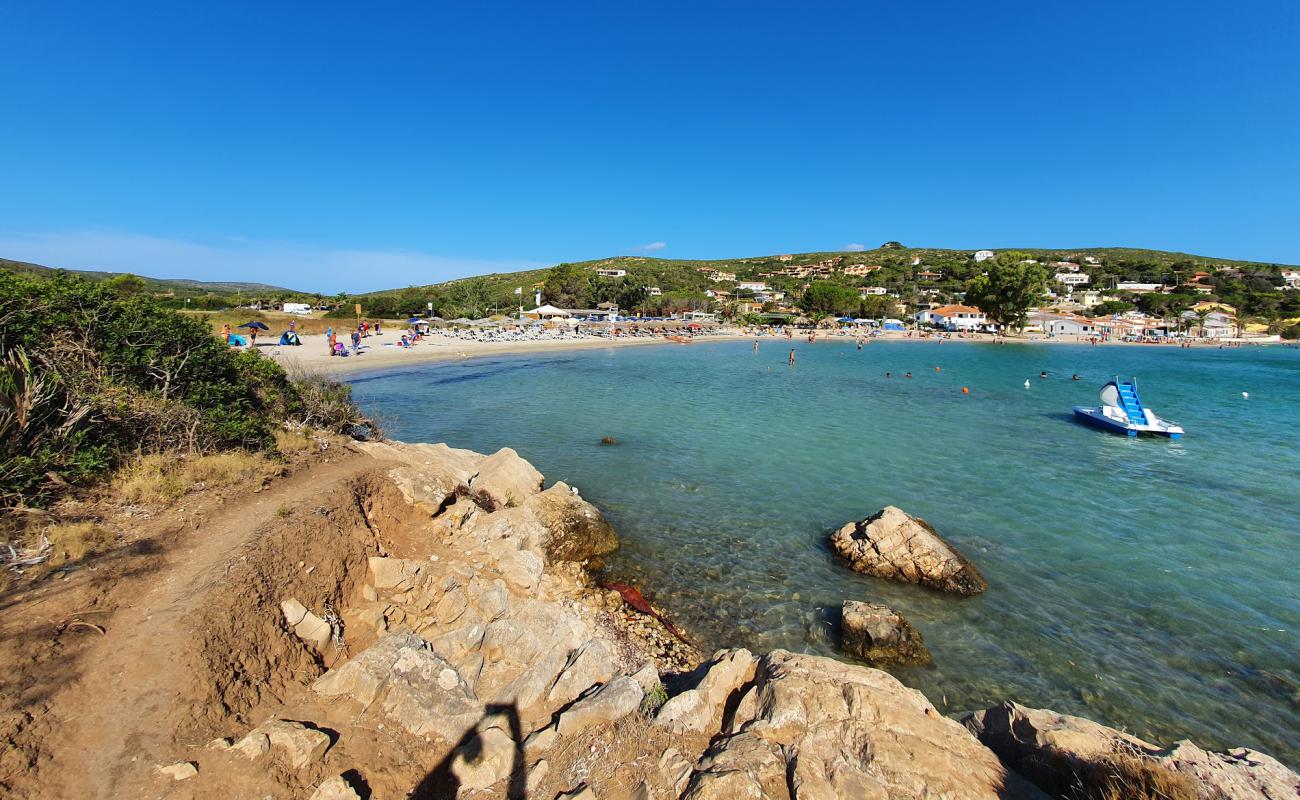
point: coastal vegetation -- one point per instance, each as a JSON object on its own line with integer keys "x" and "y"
{"x": 910, "y": 274}
{"x": 91, "y": 378}
{"x": 1011, "y": 284}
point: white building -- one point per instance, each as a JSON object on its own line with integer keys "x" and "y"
{"x": 654, "y": 291}
{"x": 1072, "y": 278}
{"x": 1139, "y": 288}
{"x": 611, "y": 273}
{"x": 984, "y": 255}
{"x": 753, "y": 286}
{"x": 1291, "y": 278}
{"x": 1062, "y": 324}
{"x": 953, "y": 318}
{"x": 868, "y": 291}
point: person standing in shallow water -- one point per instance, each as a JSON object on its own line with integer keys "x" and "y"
{"x": 792, "y": 356}
{"x": 755, "y": 345}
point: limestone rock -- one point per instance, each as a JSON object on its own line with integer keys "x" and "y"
{"x": 895, "y": 545}
{"x": 181, "y": 770}
{"x": 522, "y": 570}
{"x": 675, "y": 767}
{"x": 696, "y": 710}
{"x": 611, "y": 702}
{"x": 536, "y": 775}
{"x": 416, "y": 687}
{"x": 575, "y": 530}
{"x": 335, "y": 788}
{"x": 253, "y": 746}
{"x": 1050, "y": 748}
{"x": 314, "y": 631}
{"x": 504, "y": 480}
{"x": 486, "y": 759}
{"x": 840, "y": 730}
{"x": 583, "y": 792}
{"x": 542, "y": 740}
{"x": 429, "y": 474}
{"x": 301, "y": 745}
{"x": 293, "y": 611}
{"x": 1237, "y": 773}
{"x": 590, "y": 664}
{"x": 880, "y": 635}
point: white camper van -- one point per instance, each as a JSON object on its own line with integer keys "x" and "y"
{"x": 297, "y": 308}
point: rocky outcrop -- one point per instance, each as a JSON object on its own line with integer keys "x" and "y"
{"x": 575, "y": 529}
{"x": 818, "y": 728}
{"x": 895, "y": 545}
{"x": 880, "y": 635}
{"x": 1058, "y": 751}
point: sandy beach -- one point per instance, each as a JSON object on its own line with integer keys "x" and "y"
{"x": 313, "y": 354}
{"x": 376, "y": 354}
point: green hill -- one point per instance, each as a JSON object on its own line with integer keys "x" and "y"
{"x": 181, "y": 287}
{"x": 906, "y": 271}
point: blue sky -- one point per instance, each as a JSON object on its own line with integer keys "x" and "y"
{"x": 351, "y": 146}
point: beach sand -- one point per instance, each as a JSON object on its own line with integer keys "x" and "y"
{"x": 313, "y": 356}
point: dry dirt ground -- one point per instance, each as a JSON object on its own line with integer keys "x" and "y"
{"x": 143, "y": 655}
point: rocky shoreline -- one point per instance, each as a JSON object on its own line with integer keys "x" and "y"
{"x": 464, "y": 650}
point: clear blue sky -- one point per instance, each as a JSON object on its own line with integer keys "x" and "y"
{"x": 355, "y": 146}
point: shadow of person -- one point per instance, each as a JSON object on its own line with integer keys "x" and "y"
{"x": 442, "y": 784}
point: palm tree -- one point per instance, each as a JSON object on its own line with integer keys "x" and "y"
{"x": 1202, "y": 314}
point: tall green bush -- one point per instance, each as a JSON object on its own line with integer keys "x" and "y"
{"x": 88, "y": 375}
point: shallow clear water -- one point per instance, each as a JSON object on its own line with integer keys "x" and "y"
{"x": 1147, "y": 584}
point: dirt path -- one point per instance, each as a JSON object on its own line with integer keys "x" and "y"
{"x": 112, "y": 726}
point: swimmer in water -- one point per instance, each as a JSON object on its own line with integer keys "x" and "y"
{"x": 889, "y": 374}
{"x": 1043, "y": 374}
{"x": 1074, "y": 377}
{"x": 908, "y": 375}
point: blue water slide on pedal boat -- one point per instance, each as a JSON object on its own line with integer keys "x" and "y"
{"x": 1122, "y": 411}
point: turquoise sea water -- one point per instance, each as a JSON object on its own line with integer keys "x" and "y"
{"x": 1147, "y": 584}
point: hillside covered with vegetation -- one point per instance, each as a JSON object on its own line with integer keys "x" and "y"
{"x": 913, "y": 274}
{"x": 171, "y": 292}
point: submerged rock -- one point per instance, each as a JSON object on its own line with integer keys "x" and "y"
{"x": 895, "y": 545}
{"x": 1058, "y": 751}
{"x": 880, "y": 635}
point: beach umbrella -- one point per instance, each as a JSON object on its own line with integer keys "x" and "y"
{"x": 261, "y": 326}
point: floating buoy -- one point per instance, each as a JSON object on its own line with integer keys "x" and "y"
{"x": 1026, "y": 383}
{"x": 965, "y": 390}
{"x": 1245, "y": 395}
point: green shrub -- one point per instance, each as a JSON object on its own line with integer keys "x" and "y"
{"x": 89, "y": 375}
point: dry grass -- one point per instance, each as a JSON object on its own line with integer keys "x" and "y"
{"x": 295, "y": 442}
{"x": 1125, "y": 776}
{"x": 161, "y": 479}
{"x": 74, "y": 541}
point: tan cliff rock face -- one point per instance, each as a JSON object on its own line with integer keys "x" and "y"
{"x": 893, "y": 544}
{"x": 1053, "y": 749}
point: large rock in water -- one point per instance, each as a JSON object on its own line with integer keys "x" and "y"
{"x": 1054, "y": 750}
{"x": 575, "y": 529}
{"x": 893, "y": 544}
{"x": 880, "y": 635}
{"x": 812, "y": 727}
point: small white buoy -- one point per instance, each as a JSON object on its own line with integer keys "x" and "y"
{"x": 1245, "y": 395}
{"x": 1026, "y": 383}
